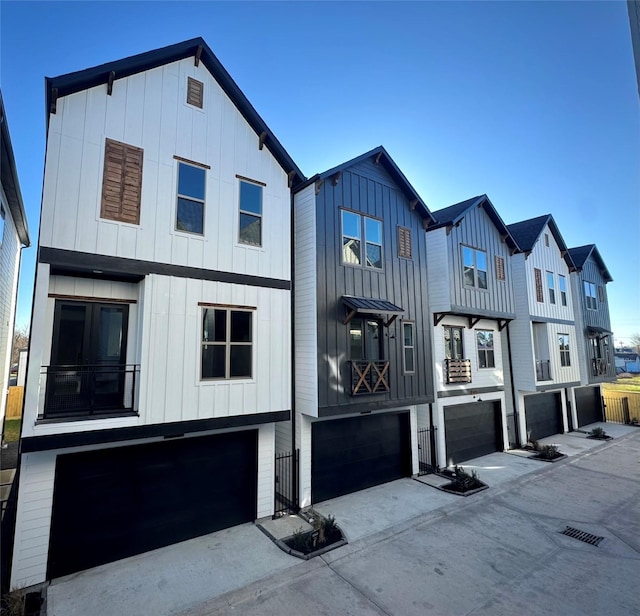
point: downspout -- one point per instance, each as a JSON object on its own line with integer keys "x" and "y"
{"x": 294, "y": 461}
{"x": 516, "y": 423}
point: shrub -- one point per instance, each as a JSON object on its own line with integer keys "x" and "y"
{"x": 464, "y": 481}
{"x": 598, "y": 433}
{"x": 548, "y": 452}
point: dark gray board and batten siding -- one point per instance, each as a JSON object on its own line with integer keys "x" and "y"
{"x": 600, "y": 316}
{"x": 478, "y": 231}
{"x": 369, "y": 190}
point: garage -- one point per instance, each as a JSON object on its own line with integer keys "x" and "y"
{"x": 472, "y": 430}
{"x": 543, "y": 413}
{"x": 358, "y": 452}
{"x": 113, "y": 503}
{"x": 588, "y": 405}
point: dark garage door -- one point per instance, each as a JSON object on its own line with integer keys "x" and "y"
{"x": 117, "y": 502}
{"x": 472, "y": 430}
{"x": 588, "y": 405}
{"x": 357, "y": 453}
{"x": 543, "y": 415}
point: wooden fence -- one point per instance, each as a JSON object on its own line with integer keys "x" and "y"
{"x": 622, "y": 406}
{"x": 14, "y": 402}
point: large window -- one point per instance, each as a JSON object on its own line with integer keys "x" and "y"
{"x": 486, "y": 354}
{"x": 551, "y": 287}
{"x": 227, "y": 343}
{"x": 409, "y": 347}
{"x": 453, "y": 342}
{"x": 590, "y": 295}
{"x": 365, "y": 340}
{"x": 563, "y": 342}
{"x": 354, "y": 228}
{"x": 250, "y": 213}
{"x": 475, "y": 267}
{"x": 562, "y": 283}
{"x": 121, "y": 182}
{"x": 190, "y": 208}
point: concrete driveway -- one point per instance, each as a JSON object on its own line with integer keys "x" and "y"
{"x": 413, "y": 550}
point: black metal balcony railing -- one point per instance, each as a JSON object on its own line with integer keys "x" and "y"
{"x": 88, "y": 390}
{"x": 457, "y": 370}
{"x": 600, "y": 367}
{"x": 543, "y": 370}
{"x": 369, "y": 377}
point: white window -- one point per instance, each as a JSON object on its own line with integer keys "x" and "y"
{"x": 551, "y": 287}
{"x": 563, "y": 342}
{"x": 475, "y": 267}
{"x": 190, "y": 198}
{"x": 562, "y": 283}
{"x": 590, "y": 295}
{"x": 354, "y": 227}
{"x": 250, "y": 213}
{"x": 227, "y": 343}
{"x": 409, "y": 347}
{"x": 453, "y": 342}
{"x": 486, "y": 353}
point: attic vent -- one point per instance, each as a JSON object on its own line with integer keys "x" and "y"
{"x": 580, "y": 535}
{"x": 195, "y": 91}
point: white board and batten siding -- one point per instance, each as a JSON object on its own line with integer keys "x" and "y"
{"x": 306, "y": 304}
{"x": 438, "y": 271}
{"x": 149, "y": 111}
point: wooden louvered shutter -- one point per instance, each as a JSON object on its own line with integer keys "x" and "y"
{"x": 195, "y": 90}
{"x": 121, "y": 182}
{"x": 500, "y": 273}
{"x": 539, "y": 292}
{"x": 404, "y": 242}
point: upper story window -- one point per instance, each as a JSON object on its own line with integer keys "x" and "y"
{"x": 453, "y": 342}
{"x": 365, "y": 340}
{"x": 537, "y": 274}
{"x": 195, "y": 92}
{"x": 546, "y": 239}
{"x": 590, "y": 295}
{"x": 227, "y": 343}
{"x": 250, "y": 213}
{"x": 190, "y": 198}
{"x": 486, "y": 353}
{"x": 404, "y": 242}
{"x": 121, "y": 182}
{"x": 355, "y": 227}
{"x": 2, "y": 214}
{"x": 500, "y": 271}
{"x": 562, "y": 284}
{"x": 563, "y": 342}
{"x": 409, "y": 347}
{"x": 551, "y": 287}
{"x": 475, "y": 267}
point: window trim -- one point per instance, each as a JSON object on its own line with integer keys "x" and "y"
{"x": 203, "y": 168}
{"x": 451, "y": 338}
{"x": 362, "y": 227}
{"x": 412, "y": 347}
{"x": 260, "y": 216}
{"x": 562, "y": 287}
{"x": 227, "y": 343}
{"x": 475, "y": 267}
{"x": 588, "y": 297}
{"x": 492, "y": 350}
{"x": 565, "y": 354}
{"x": 551, "y": 288}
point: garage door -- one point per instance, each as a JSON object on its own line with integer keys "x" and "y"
{"x": 588, "y": 405}
{"x": 472, "y": 430}
{"x": 543, "y": 413}
{"x": 117, "y": 502}
{"x": 357, "y": 453}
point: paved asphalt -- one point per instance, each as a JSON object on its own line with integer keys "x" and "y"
{"x": 414, "y": 550}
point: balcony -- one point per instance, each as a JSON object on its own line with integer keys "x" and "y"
{"x": 88, "y": 391}
{"x": 369, "y": 377}
{"x": 543, "y": 370}
{"x": 457, "y": 371}
{"x": 600, "y": 367}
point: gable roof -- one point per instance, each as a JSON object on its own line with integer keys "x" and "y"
{"x": 9, "y": 179}
{"x": 380, "y": 156}
{"x": 581, "y": 254}
{"x": 455, "y": 213}
{"x": 527, "y": 232}
{"x": 197, "y": 48}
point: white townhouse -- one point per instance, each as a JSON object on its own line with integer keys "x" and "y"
{"x": 545, "y": 360}
{"x": 160, "y": 359}
{"x": 14, "y": 235}
{"x": 471, "y": 302}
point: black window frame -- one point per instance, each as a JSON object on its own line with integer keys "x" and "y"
{"x": 562, "y": 287}
{"x": 551, "y": 287}
{"x": 245, "y": 212}
{"x": 409, "y": 348}
{"x": 449, "y": 347}
{"x": 564, "y": 349}
{"x": 475, "y": 268}
{"x": 190, "y": 198}
{"x": 364, "y": 242}
{"x": 590, "y": 295}
{"x": 488, "y": 353}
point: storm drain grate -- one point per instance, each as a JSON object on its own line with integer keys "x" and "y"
{"x": 575, "y": 533}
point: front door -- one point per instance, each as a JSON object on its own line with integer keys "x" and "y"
{"x": 88, "y": 355}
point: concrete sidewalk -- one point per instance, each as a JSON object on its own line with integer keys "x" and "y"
{"x": 242, "y": 570}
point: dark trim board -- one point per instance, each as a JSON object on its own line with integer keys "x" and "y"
{"x": 74, "y": 263}
{"x": 368, "y": 405}
{"x": 550, "y": 320}
{"x": 469, "y": 392}
{"x": 557, "y": 386}
{"x": 169, "y": 430}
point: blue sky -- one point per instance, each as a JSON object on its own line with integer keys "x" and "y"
{"x": 535, "y": 104}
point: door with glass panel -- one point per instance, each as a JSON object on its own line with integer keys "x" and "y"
{"x": 88, "y": 355}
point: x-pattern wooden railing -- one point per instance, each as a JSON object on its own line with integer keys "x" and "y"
{"x": 369, "y": 377}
